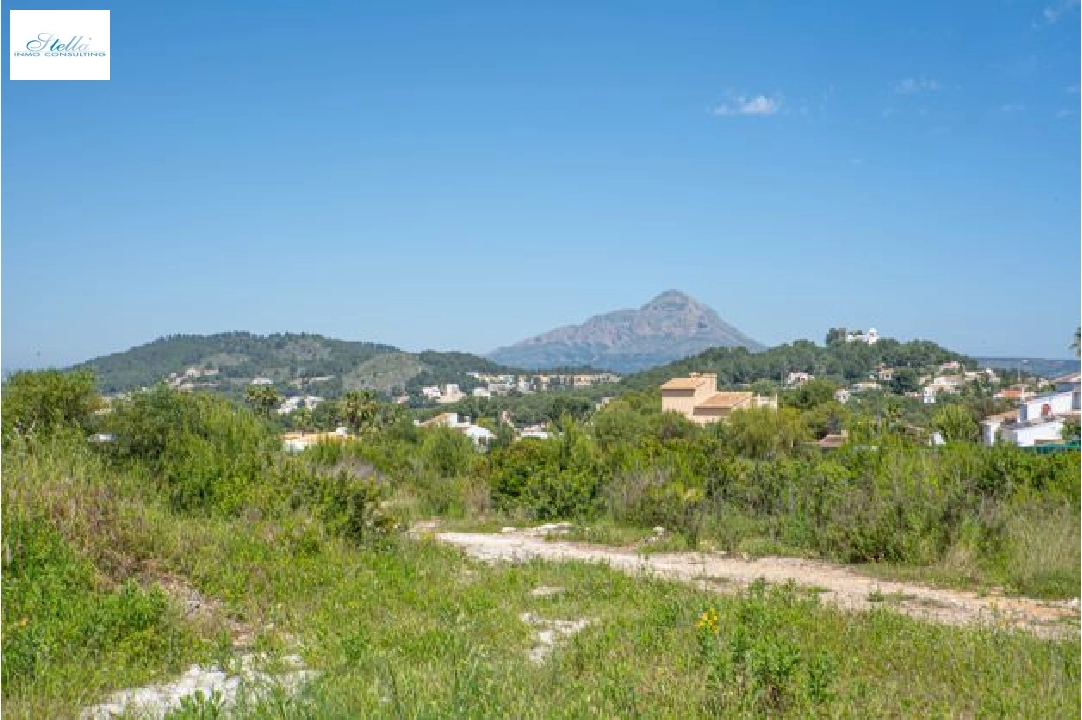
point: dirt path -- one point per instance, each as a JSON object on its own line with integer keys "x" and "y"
{"x": 836, "y": 584}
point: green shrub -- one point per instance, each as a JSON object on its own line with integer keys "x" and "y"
{"x": 43, "y": 401}
{"x": 348, "y": 507}
{"x": 59, "y": 620}
{"x": 556, "y": 478}
{"x": 209, "y": 454}
{"x": 447, "y": 452}
{"x": 754, "y": 664}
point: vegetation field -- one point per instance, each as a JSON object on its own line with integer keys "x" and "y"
{"x": 103, "y": 542}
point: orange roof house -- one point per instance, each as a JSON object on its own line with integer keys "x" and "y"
{"x": 696, "y": 397}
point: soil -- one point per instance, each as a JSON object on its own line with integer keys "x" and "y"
{"x": 834, "y": 584}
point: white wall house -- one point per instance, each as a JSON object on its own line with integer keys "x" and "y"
{"x": 450, "y": 394}
{"x": 1028, "y": 434}
{"x": 1038, "y": 419}
{"x": 796, "y": 379}
{"x": 478, "y": 435}
{"x": 1047, "y": 406}
{"x": 871, "y": 337}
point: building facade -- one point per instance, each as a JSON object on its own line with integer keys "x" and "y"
{"x": 696, "y": 397}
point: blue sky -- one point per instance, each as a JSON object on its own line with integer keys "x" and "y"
{"x": 464, "y": 175}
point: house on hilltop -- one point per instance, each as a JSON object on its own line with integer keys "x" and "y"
{"x": 869, "y": 338}
{"x": 696, "y": 397}
{"x": 797, "y": 379}
{"x": 478, "y": 435}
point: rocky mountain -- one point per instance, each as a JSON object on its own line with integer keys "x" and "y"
{"x": 671, "y": 326}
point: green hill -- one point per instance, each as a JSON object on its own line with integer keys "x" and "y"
{"x": 313, "y": 362}
{"x": 847, "y": 362}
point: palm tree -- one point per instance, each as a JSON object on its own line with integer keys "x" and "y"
{"x": 1077, "y": 344}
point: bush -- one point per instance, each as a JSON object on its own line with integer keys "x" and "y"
{"x": 209, "y": 454}
{"x": 763, "y": 434}
{"x": 548, "y": 479}
{"x": 350, "y": 508}
{"x": 447, "y": 453}
{"x": 59, "y": 619}
{"x": 41, "y": 402}
{"x": 754, "y": 664}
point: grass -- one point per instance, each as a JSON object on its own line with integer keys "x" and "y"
{"x": 413, "y": 629}
{"x": 418, "y": 630}
{"x": 1040, "y": 558}
{"x": 878, "y": 596}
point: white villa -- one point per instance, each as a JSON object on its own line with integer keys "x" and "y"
{"x": 1038, "y": 419}
{"x": 871, "y": 337}
{"x": 478, "y": 435}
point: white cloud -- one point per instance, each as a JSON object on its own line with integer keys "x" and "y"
{"x": 910, "y": 86}
{"x": 1053, "y": 13}
{"x": 744, "y": 105}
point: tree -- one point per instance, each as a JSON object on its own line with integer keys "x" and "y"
{"x": 1071, "y": 431}
{"x": 1077, "y": 344}
{"x": 302, "y": 419}
{"x": 955, "y": 423}
{"x": 811, "y": 394}
{"x": 359, "y": 409}
{"x": 763, "y": 434}
{"x": 43, "y": 401}
{"x": 263, "y": 399}
{"x": 619, "y": 425}
{"x": 827, "y": 418}
{"x": 905, "y": 380}
{"x": 836, "y": 336}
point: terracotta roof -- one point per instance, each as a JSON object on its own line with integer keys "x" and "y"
{"x": 726, "y": 400}
{"x": 683, "y": 383}
{"x": 441, "y": 418}
{"x": 832, "y": 441}
{"x": 1009, "y": 416}
{"x": 315, "y": 437}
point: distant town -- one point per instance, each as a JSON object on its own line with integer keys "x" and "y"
{"x": 1029, "y": 414}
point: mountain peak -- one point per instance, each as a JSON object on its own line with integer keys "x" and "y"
{"x": 671, "y": 299}
{"x": 671, "y": 326}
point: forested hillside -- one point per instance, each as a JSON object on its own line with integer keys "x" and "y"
{"x": 323, "y": 365}
{"x": 841, "y": 361}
